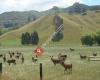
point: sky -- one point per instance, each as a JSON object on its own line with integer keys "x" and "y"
{"x": 39, "y": 5}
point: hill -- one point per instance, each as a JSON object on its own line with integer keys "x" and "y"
{"x": 19, "y": 18}
{"x": 75, "y": 26}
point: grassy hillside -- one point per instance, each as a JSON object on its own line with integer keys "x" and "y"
{"x": 74, "y": 27}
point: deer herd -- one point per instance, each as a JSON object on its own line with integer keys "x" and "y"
{"x": 61, "y": 60}
{"x": 12, "y": 57}
{"x": 68, "y": 66}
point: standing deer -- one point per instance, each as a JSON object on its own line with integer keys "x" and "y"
{"x": 11, "y": 61}
{"x": 34, "y": 59}
{"x": 62, "y": 57}
{"x": 66, "y": 66}
{"x": 4, "y": 58}
{"x": 22, "y": 58}
{"x": 55, "y": 61}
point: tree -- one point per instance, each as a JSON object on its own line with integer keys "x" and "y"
{"x": 28, "y": 19}
{"x": 36, "y": 37}
{"x": 57, "y": 21}
{"x": 27, "y": 38}
{"x": 87, "y": 40}
{"x": 0, "y": 31}
{"x": 97, "y": 38}
{"x": 23, "y": 39}
{"x": 58, "y": 36}
{"x": 33, "y": 39}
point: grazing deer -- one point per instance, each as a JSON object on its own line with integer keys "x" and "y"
{"x": 83, "y": 56}
{"x": 62, "y": 57}
{"x": 4, "y": 58}
{"x": 1, "y": 55}
{"x": 55, "y": 61}
{"x": 11, "y": 61}
{"x": 72, "y": 49}
{"x": 66, "y": 66}
{"x": 94, "y": 54}
{"x": 34, "y": 59}
{"x": 17, "y": 56}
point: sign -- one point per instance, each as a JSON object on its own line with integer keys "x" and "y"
{"x": 39, "y": 51}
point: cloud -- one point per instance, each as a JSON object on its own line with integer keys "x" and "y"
{"x": 39, "y": 5}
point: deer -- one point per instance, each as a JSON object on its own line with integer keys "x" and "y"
{"x": 22, "y": 58}
{"x": 72, "y": 49}
{"x": 11, "y": 61}
{"x": 1, "y": 55}
{"x": 34, "y": 59}
{"x": 94, "y": 54}
{"x": 4, "y": 58}
{"x": 66, "y": 66}
{"x": 55, "y": 61}
{"x": 62, "y": 57}
{"x": 83, "y": 56}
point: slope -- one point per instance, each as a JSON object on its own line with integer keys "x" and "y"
{"x": 74, "y": 27}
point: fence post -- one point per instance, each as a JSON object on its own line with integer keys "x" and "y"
{"x": 41, "y": 73}
{"x": 0, "y": 68}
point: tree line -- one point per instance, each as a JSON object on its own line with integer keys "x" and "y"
{"x": 92, "y": 39}
{"x": 30, "y": 38}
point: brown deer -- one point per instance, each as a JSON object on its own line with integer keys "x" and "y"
{"x": 94, "y": 54}
{"x": 66, "y": 66}
{"x": 62, "y": 57}
{"x": 1, "y": 55}
{"x": 4, "y": 58}
{"x": 11, "y": 61}
{"x": 55, "y": 61}
{"x": 34, "y": 59}
{"x": 83, "y": 56}
{"x": 72, "y": 49}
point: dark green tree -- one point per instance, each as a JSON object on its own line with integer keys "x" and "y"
{"x": 97, "y": 38}
{"x": 23, "y": 39}
{"x": 58, "y": 36}
{"x": 27, "y": 38}
{"x": 0, "y": 31}
{"x": 87, "y": 40}
{"x": 35, "y": 37}
{"x": 32, "y": 39}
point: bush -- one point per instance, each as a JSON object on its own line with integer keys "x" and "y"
{"x": 87, "y": 40}
{"x": 97, "y": 38}
{"x": 58, "y": 36}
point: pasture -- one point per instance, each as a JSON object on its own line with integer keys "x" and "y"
{"x": 81, "y": 69}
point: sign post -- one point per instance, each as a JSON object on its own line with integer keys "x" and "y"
{"x": 41, "y": 72}
{"x": 0, "y": 68}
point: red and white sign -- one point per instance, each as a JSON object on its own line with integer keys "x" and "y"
{"x": 39, "y": 51}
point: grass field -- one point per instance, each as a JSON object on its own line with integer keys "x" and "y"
{"x": 82, "y": 69}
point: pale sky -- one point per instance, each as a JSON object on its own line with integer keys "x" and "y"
{"x": 39, "y": 5}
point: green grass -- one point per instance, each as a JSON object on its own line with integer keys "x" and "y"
{"x": 82, "y": 69}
